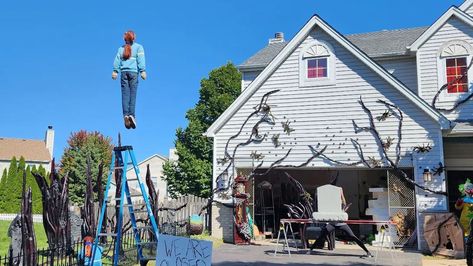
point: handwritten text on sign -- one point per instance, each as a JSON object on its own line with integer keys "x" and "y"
{"x": 182, "y": 251}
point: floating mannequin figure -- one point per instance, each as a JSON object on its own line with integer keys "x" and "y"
{"x": 129, "y": 62}
{"x": 465, "y": 205}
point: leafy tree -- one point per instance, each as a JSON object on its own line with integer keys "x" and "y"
{"x": 192, "y": 173}
{"x": 83, "y": 145}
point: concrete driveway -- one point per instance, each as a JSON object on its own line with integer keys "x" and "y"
{"x": 344, "y": 255}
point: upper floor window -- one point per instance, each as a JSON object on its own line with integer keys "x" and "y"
{"x": 457, "y": 75}
{"x": 317, "y": 64}
{"x": 317, "y": 68}
{"x": 454, "y": 57}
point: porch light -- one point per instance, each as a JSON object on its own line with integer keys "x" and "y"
{"x": 222, "y": 181}
{"x": 427, "y": 175}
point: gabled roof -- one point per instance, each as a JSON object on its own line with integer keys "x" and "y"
{"x": 292, "y": 45}
{"x": 466, "y": 5}
{"x": 452, "y": 11}
{"x": 31, "y": 150}
{"x": 386, "y": 43}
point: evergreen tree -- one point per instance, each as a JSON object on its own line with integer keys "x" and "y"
{"x": 83, "y": 145}
{"x": 36, "y": 196}
{"x": 192, "y": 173}
{"x": 3, "y": 188}
{"x": 10, "y": 194}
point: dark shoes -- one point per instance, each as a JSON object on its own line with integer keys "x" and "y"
{"x": 132, "y": 121}
{"x": 127, "y": 122}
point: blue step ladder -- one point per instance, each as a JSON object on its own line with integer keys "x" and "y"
{"x": 120, "y": 161}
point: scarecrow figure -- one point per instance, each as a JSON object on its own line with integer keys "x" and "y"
{"x": 465, "y": 205}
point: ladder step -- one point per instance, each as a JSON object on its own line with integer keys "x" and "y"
{"x": 123, "y": 148}
{"x": 140, "y": 211}
{"x": 144, "y": 227}
{"x": 108, "y": 234}
{"x": 132, "y": 179}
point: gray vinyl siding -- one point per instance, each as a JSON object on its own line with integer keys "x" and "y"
{"x": 427, "y": 57}
{"x": 248, "y": 77}
{"x": 323, "y": 115}
{"x": 404, "y": 69}
{"x": 469, "y": 11}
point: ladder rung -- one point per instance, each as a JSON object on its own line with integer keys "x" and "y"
{"x": 147, "y": 243}
{"x": 135, "y": 195}
{"x": 108, "y": 234}
{"x": 144, "y": 227}
{"x": 132, "y": 179}
{"x": 140, "y": 211}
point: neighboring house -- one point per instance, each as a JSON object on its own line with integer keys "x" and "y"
{"x": 35, "y": 152}
{"x": 320, "y": 75}
{"x": 155, "y": 163}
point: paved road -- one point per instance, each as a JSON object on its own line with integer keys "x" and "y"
{"x": 229, "y": 255}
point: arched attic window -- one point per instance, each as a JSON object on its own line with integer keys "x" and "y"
{"x": 455, "y": 57}
{"x": 316, "y": 64}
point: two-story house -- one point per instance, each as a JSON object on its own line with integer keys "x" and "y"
{"x": 35, "y": 152}
{"x": 316, "y": 94}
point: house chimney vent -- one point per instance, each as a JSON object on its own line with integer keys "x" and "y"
{"x": 278, "y": 37}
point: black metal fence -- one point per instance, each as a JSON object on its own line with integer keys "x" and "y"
{"x": 69, "y": 256}
{"x": 62, "y": 256}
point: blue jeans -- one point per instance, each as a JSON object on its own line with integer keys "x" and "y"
{"x": 129, "y": 83}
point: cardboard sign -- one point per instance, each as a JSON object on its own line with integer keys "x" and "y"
{"x": 174, "y": 250}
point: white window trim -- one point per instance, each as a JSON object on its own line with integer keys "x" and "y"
{"x": 442, "y": 75}
{"x": 304, "y": 81}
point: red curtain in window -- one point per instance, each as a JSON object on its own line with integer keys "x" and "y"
{"x": 317, "y": 68}
{"x": 456, "y": 67}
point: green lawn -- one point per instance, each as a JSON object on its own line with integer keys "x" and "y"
{"x": 41, "y": 241}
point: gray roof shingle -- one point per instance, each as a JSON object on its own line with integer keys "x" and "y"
{"x": 374, "y": 44}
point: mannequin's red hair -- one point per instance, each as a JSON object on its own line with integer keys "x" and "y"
{"x": 129, "y": 37}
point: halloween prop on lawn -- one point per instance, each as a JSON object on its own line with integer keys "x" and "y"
{"x": 55, "y": 197}
{"x": 21, "y": 231}
{"x": 444, "y": 235}
{"x": 465, "y": 205}
{"x": 469, "y": 246}
{"x": 88, "y": 211}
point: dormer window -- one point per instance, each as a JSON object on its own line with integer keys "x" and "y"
{"x": 317, "y": 65}
{"x": 317, "y": 68}
{"x": 454, "y": 58}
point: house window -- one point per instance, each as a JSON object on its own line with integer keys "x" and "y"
{"x": 317, "y": 64}
{"x": 457, "y": 74}
{"x": 317, "y": 68}
{"x": 454, "y": 58}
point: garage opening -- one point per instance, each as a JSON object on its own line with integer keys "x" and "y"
{"x": 367, "y": 191}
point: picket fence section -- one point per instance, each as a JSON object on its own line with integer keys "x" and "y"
{"x": 37, "y": 218}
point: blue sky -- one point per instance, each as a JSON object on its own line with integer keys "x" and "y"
{"x": 57, "y": 56}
